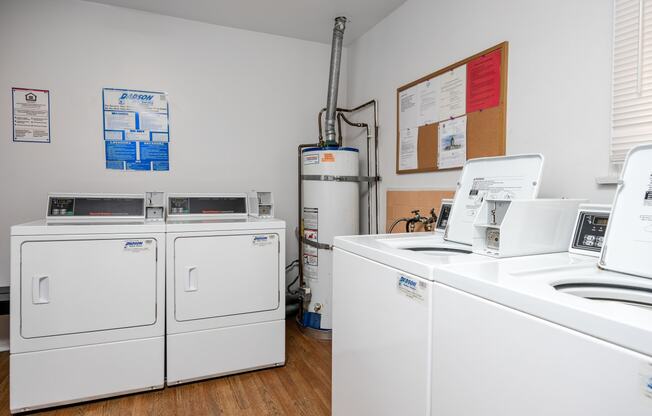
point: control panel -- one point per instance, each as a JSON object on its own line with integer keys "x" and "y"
{"x": 155, "y": 206}
{"x": 444, "y": 213}
{"x": 261, "y": 204}
{"x": 520, "y": 227}
{"x": 95, "y": 207}
{"x": 206, "y": 206}
{"x": 590, "y": 229}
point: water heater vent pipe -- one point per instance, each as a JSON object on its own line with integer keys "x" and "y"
{"x": 334, "y": 80}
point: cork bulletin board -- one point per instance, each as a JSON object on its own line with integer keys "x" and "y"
{"x": 465, "y": 101}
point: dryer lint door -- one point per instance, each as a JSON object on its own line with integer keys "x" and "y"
{"x": 77, "y": 286}
{"x": 225, "y": 275}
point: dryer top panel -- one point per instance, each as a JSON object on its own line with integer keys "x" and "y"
{"x": 203, "y": 206}
{"x": 92, "y": 208}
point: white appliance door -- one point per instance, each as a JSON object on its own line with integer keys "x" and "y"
{"x": 77, "y": 286}
{"x": 225, "y": 275}
{"x": 495, "y": 361}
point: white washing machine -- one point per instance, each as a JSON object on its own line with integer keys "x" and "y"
{"x": 87, "y": 302}
{"x": 225, "y": 288}
{"x": 562, "y": 340}
{"x": 382, "y": 295}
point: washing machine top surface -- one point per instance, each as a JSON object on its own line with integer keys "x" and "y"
{"x": 567, "y": 289}
{"x": 570, "y": 289}
{"x": 417, "y": 253}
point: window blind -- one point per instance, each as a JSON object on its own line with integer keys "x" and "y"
{"x": 632, "y": 77}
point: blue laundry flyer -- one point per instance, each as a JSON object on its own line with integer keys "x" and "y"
{"x": 136, "y": 129}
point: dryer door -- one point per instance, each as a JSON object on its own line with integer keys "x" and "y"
{"x": 225, "y": 275}
{"x": 77, "y": 286}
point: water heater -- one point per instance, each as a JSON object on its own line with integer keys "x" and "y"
{"x": 329, "y": 207}
{"x": 329, "y": 197}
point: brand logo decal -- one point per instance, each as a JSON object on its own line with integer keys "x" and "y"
{"x": 136, "y": 97}
{"x": 404, "y": 281}
{"x": 133, "y": 244}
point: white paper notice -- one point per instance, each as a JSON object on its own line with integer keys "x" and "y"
{"x": 428, "y": 102}
{"x": 408, "y": 149}
{"x": 408, "y": 108}
{"x": 452, "y": 93}
{"x": 31, "y": 114}
{"x": 452, "y": 143}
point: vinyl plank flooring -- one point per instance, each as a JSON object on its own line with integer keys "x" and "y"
{"x": 302, "y": 387}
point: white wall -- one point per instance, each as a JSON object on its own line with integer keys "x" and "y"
{"x": 558, "y": 89}
{"x": 240, "y": 102}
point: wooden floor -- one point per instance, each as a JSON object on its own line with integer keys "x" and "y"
{"x": 302, "y": 387}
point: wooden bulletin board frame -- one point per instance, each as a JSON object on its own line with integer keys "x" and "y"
{"x": 486, "y": 128}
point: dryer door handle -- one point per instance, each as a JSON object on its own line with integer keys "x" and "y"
{"x": 40, "y": 289}
{"x": 192, "y": 279}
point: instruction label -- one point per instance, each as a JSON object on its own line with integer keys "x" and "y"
{"x": 310, "y": 233}
{"x": 31, "y": 115}
{"x": 412, "y": 288}
{"x": 136, "y": 129}
{"x": 311, "y": 159}
{"x": 498, "y": 187}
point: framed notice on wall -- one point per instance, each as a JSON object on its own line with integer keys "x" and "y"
{"x": 31, "y": 115}
{"x": 454, "y": 114}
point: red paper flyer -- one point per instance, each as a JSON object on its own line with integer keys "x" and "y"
{"x": 483, "y": 82}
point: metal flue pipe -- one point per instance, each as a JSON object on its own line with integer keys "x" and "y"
{"x": 334, "y": 80}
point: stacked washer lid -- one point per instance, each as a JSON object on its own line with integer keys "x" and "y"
{"x": 225, "y": 288}
{"x": 87, "y": 302}
{"x": 575, "y": 339}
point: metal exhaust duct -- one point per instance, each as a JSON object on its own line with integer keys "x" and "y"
{"x": 334, "y": 80}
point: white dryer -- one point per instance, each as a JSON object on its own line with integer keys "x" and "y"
{"x": 225, "y": 288}
{"x": 87, "y": 302}
{"x": 564, "y": 340}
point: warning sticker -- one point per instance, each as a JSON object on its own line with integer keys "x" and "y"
{"x": 310, "y": 233}
{"x": 410, "y": 287}
{"x": 327, "y": 158}
{"x": 498, "y": 187}
{"x": 311, "y": 219}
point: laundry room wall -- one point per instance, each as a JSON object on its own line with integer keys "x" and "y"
{"x": 559, "y": 87}
{"x": 240, "y": 103}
